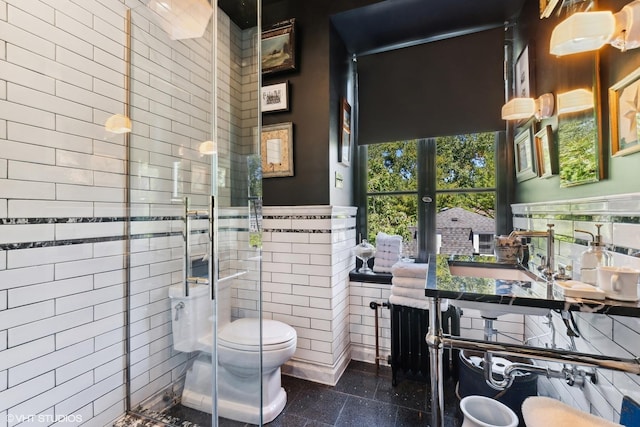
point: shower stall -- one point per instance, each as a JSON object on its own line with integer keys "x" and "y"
{"x": 194, "y": 197}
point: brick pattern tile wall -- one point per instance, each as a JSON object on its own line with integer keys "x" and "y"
{"x": 62, "y": 199}
{"x": 600, "y": 334}
{"x": 305, "y": 279}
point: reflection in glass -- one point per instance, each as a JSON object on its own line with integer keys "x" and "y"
{"x": 578, "y": 150}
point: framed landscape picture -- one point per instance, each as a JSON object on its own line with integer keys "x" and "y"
{"x": 279, "y": 47}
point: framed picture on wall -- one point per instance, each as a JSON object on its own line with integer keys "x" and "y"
{"x": 524, "y": 155}
{"x": 279, "y": 47}
{"x": 344, "y": 145}
{"x": 624, "y": 110}
{"x": 545, "y": 152}
{"x": 274, "y": 98}
{"x": 276, "y": 149}
{"x": 522, "y": 75}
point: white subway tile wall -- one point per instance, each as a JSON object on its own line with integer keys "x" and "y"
{"x": 305, "y": 283}
{"x": 62, "y": 197}
{"x": 600, "y": 334}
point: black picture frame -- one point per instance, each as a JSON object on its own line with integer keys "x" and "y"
{"x": 344, "y": 146}
{"x": 274, "y": 98}
{"x": 278, "y": 44}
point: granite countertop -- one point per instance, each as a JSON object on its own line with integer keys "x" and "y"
{"x": 528, "y": 290}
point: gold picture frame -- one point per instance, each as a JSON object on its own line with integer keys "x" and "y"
{"x": 276, "y": 149}
{"x": 524, "y": 155}
{"x": 545, "y": 152}
{"x": 344, "y": 147}
{"x": 624, "y": 112}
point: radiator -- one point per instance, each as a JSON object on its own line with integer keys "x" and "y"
{"x": 409, "y": 350}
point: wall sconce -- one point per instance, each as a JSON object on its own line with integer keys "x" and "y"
{"x": 182, "y": 19}
{"x": 575, "y": 100}
{"x": 207, "y": 147}
{"x": 586, "y": 31}
{"x": 523, "y": 108}
{"x": 118, "y": 123}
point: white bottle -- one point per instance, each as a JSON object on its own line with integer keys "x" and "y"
{"x": 595, "y": 256}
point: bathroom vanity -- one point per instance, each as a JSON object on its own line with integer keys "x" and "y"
{"x": 482, "y": 283}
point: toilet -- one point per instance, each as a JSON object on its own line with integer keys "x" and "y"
{"x": 238, "y": 358}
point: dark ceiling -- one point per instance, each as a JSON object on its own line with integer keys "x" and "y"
{"x": 393, "y": 23}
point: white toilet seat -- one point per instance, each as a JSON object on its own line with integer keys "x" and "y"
{"x": 244, "y": 334}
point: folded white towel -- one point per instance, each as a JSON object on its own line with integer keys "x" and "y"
{"x": 407, "y": 292}
{"x": 389, "y": 244}
{"x": 382, "y": 236}
{"x": 377, "y": 268}
{"x": 409, "y": 282}
{"x": 410, "y": 269}
{"x": 416, "y": 303}
{"x": 381, "y": 262}
{"x": 539, "y": 411}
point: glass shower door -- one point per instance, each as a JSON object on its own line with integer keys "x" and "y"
{"x": 195, "y": 206}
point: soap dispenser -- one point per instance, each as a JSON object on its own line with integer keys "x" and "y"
{"x": 595, "y": 256}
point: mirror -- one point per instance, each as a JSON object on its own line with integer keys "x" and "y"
{"x": 578, "y": 148}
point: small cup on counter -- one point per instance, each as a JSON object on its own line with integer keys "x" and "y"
{"x": 619, "y": 283}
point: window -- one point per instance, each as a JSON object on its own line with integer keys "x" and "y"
{"x": 448, "y": 179}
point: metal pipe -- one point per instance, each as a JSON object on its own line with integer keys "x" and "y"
{"x": 551, "y": 355}
{"x": 435, "y": 340}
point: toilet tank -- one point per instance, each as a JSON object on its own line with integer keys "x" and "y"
{"x": 190, "y": 316}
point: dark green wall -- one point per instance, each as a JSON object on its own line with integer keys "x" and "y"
{"x": 556, "y": 74}
{"x": 312, "y": 106}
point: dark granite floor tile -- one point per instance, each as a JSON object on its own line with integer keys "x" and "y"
{"x": 358, "y": 383}
{"x": 288, "y": 420}
{"x": 319, "y": 404}
{"x": 200, "y": 418}
{"x": 358, "y": 411}
{"x": 383, "y": 370}
{"x": 411, "y": 418}
{"x": 407, "y": 394}
{"x": 313, "y": 423}
{"x": 225, "y": 422}
{"x": 451, "y": 401}
{"x": 293, "y": 385}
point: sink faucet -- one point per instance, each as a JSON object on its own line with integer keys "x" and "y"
{"x": 549, "y": 262}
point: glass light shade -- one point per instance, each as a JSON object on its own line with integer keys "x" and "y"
{"x": 207, "y": 147}
{"x": 518, "y": 108}
{"x": 627, "y": 32}
{"x": 575, "y": 100}
{"x": 544, "y": 106}
{"x": 582, "y": 32}
{"x": 118, "y": 123}
{"x": 182, "y": 19}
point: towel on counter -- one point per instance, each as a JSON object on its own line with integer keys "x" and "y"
{"x": 416, "y": 303}
{"x": 409, "y": 282}
{"x": 388, "y": 250}
{"x": 407, "y": 292}
{"x": 410, "y": 269}
{"x": 539, "y": 411}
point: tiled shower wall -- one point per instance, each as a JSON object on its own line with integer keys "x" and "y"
{"x": 62, "y": 202}
{"x": 600, "y": 334}
{"x": 305, "y": 279}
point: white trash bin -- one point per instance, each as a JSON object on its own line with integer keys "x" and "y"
{"x": 480, "y": 411}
